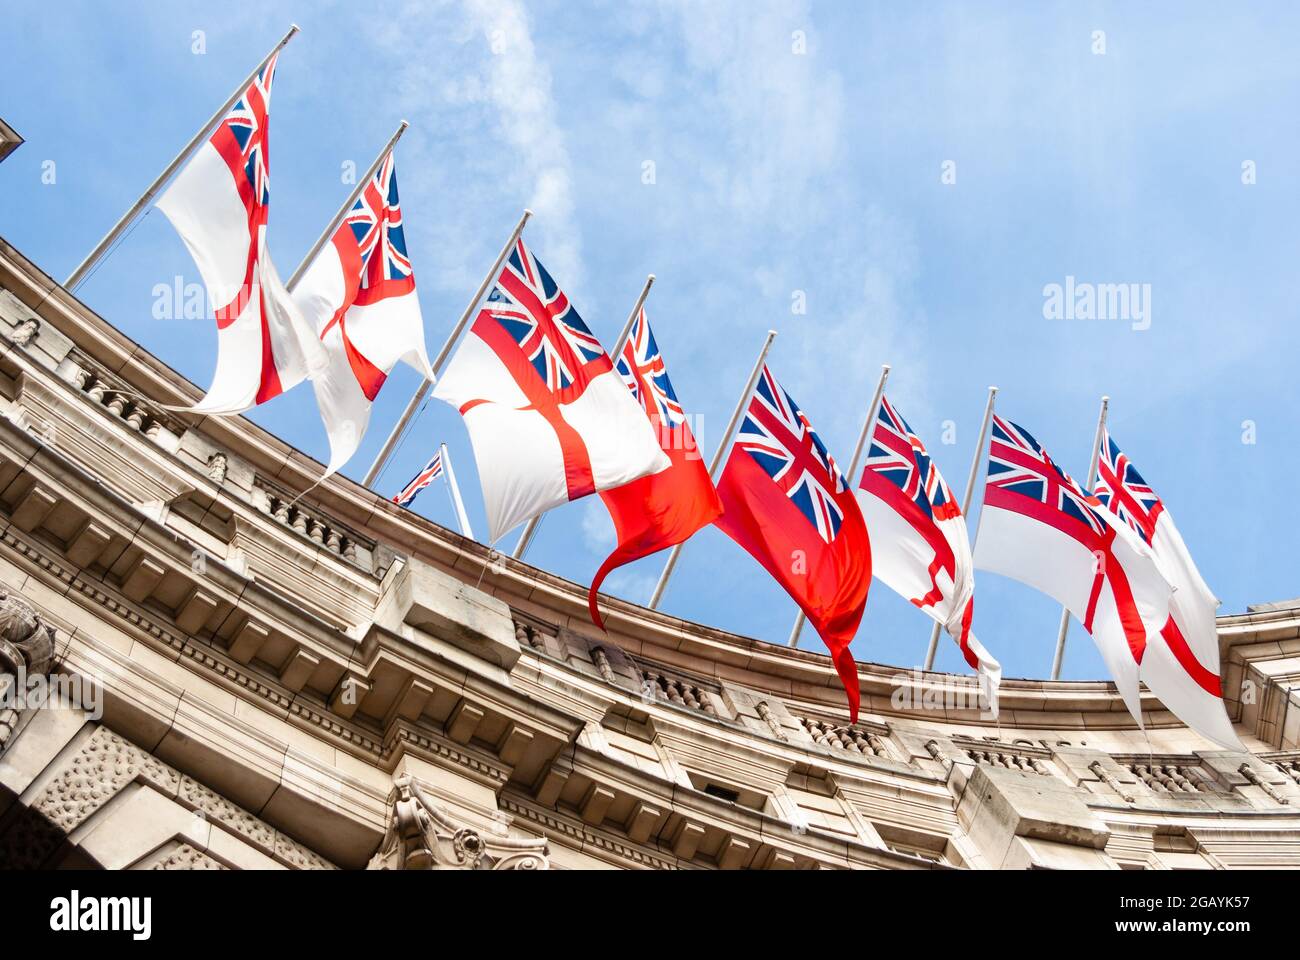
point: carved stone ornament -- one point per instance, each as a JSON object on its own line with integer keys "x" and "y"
{"x": 24, "y": 640}
{"x": 25, "y": 644}
{"x": 26, "y": 331}
{"x": 217, "y": 466}
{"x": 423, "y": 836}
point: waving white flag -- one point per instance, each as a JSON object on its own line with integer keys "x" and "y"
{"x": 359, "y": 296}
{"x": 549, "y": 418}
{"x": 919, "y": 545}
{"x": 1040, "y": 527}
{"x": 1182, "y": 665}
{"x": 218, "y": 204}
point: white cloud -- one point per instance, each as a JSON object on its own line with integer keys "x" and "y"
{"x": 518, "y": 85}
{"x": 484, "y": 125}
{"x": 630, "y": 585}
{"x": 597, "y": 528}
{"x": 781, "y": 115}
{"x": 784, "y": 108}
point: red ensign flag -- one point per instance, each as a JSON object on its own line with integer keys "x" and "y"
{"x": 665, "y": 508}
{"x": 785, "y": 501}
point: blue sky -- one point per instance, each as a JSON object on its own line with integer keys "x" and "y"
{"x": 774, "y": 171}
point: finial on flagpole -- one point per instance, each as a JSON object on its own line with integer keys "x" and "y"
{"x": 650, "y": 278}
{"x": 527, "y": 212}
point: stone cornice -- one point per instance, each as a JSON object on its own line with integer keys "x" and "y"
{"x": 9, "y": 140}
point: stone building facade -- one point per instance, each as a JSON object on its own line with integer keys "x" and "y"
{"x": 334, "y": 682}
{"x": 9, "y": 139}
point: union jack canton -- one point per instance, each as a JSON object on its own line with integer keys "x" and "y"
{"x": 428, "y": 473}
{"x": 1121, "y": 489}
{"x": 777, "y": 434}
{"x": 532, "y": 308}
{"x": 1019, "y": 464}
{"x": 898, "y": 455}
{"x": 376, "y": 224}
{"x": 642, "y": 368}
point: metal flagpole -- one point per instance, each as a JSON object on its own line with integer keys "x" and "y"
{"x": 975, "y": 462}
{"x": 101, "y": 248}
{"x": 1092, "y": 478}
{"x": 853, "y": 472}
{"x": 526, "y": 537}
{"x": 450, "y": 475}
{"x": 362, "y": 183}
{"x": 723, "y": 446}
{"x": 387, "y": 450}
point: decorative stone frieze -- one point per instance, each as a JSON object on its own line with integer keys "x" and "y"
{"x": 119, "y": 401}
{"x": 667, "y": 686}
{"x": 26, "y": 331}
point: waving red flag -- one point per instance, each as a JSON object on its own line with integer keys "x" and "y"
{"x": 785, "y": 501}
{"x": 665, "y": 508}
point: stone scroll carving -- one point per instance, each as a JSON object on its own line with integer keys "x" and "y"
{"x": 26, "y": 644}
{"x": 423, "y": 836}
{"x": 26, "y": 331}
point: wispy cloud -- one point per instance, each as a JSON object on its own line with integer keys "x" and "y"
{"x": 484, "y": 124}
{"x": 765, "y": 84}
{"x": 518, "y": 86}
{"x": 597, "y": 528}
{"x": 782, "y": 106}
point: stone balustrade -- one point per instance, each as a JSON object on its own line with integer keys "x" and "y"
{"x": 851, "y": 739}
{"x": 1170, "y": 775}
{"x": 315, "y": 526}
{"x": 661, "y": 685}
{"x": 115, "y": 397}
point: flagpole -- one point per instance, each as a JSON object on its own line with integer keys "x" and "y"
{"x": 387, "y": 450}
{"x": 526, "y": 537}
{"x": 723, "y": 445}
{"x": 329, "y": 231}
{"x": 97, "y": 254}
{"x": 853, "y": 472}
{"x": 975, "y": 462}
{"x": 1092, "y": 478}
{"x": 450, "y": 476}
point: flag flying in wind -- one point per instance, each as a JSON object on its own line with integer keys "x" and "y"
{"x": 920, "y": 548}
{"x": 430, "y": 472}
{"x": 1181, "y": 665}
{"x": 218, "y": 203}
{"x": 1040, "y": 527}
{"x": 785, "y": 501}
{"x": 665, "y": 508}
{"x": 359, "y": 296}
{"x": 549, "y": 418}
